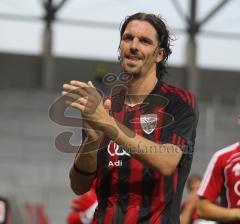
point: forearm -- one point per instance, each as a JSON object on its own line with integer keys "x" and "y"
{"x": 161, "y": 157}
{"x": 210, "y": 211}
{"x": 86, "y": 161}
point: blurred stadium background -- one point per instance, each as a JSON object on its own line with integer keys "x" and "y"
{"x": 44, "y": 43}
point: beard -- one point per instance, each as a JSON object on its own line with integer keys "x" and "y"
{"x": 135, "y": 73}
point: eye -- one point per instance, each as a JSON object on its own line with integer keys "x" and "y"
{"x": 145, "y": 40}
{"x": 127, "y": 37}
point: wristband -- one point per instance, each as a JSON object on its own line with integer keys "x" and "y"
{"x": 77, "y": 170}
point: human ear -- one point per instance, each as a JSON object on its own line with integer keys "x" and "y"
{"x": 160, "y": 55}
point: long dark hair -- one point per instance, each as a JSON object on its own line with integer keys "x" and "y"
{"x": 163, "y": 33}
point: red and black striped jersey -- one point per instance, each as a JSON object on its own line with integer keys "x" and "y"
{"x": 129, "y": 191}
{"x": 222, "y": 177}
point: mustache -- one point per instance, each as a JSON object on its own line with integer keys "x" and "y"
{"x": 129, "y": 55}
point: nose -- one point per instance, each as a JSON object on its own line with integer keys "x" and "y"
{"x": 134, "y": 45}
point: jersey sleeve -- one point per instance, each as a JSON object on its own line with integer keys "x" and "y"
{"x": 183, "y": 127}
{"x": 213, "y": 180}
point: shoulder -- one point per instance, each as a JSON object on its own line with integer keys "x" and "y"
{"x": 220, "y": 158}
{"x": 226, "y": 152}
{"x": 180, "y": 94}
{"x": 216, "y": 167}
{"x": 181, "y": 103}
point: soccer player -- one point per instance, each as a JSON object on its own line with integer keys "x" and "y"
{"x": 189, "y": 214}
{"x": 141, "y": 150}
{"x": 222, "y": 179}
{"x": 189, "y": 207}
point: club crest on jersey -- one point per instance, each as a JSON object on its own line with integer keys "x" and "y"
{"x": 148, "y": 122}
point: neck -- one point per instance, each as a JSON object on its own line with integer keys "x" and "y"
{"x": 139, "y": 88}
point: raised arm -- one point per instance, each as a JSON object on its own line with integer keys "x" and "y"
{"x": 84, "y": 167}
{"x": 161, "y": 157}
